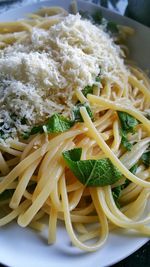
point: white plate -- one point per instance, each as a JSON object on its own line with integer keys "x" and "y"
{"x": 23, "y": 247}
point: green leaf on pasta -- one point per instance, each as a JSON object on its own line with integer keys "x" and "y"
{"x": 87, "y": 90}
{"x": 55, "y": 124}
{"x": 116, "y": 191}
{"x": 128, "y": 124}
{"x": 127, "y": 121}
{"x": 124, "y": 140}
{"x": 112, "y": 27}
{"x": 146, "y": 159}
{"x": 91, "y": 172}
{"x": 76, "y": 116}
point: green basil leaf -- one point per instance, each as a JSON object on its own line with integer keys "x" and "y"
{"x": 55, "y": 124}
{"x": 36, "y": 129}
{"x": 97, "y": 17}
{"x": 26, "y": 135}
{"x": 98, "y": 79}
{"x": 58, "y": 124}
{"x": 24, "y": 121}
{"x": 76, "y": 116}
{"x": 128, "y": 122}
{"x": 116, "y": 192}
{"x": 124, "y": 140}
{"x": 91, "y": 172}
{"x": 134, "y": 168}
{"x": 87, "y": 90}
{"x": 146, "y": 159}
{"x": 112, "y": 27}
{"x": 127, "y": 181}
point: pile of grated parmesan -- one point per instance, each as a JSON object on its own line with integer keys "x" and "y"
{"x": 39, "y": 77}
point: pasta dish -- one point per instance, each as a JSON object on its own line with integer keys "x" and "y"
{"x": 74, "y": 128}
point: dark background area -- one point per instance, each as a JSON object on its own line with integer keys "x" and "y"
{"x": 140, "y": 258}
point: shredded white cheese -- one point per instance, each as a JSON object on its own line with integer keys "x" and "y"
{"x": 39, "y": 77}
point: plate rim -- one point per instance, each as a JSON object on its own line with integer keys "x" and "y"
{"x": 144, "y": 240}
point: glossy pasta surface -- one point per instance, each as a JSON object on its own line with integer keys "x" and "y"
{"x": 39, "y": 186}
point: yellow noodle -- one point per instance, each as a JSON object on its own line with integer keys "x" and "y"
{"x": 119, "y": 107}
{"x": 13, "y": 214}
{"x": 108, "y": 151}
{"x": 52, "y": 226}
{"x": 42, "y": 184}
{"x": 22, "y": 184}
{"x": 3, "y": 165}
{"x": 38, "y": 226}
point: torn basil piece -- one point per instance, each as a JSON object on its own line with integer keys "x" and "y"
{"x": 128, "y": 124}
{"x": 146, "y": 159}
{"x": 91, "y": 172}
{"x": 55, "y": 124}
{"x": 76, "y": 116}
{"x": 127, "y": 121}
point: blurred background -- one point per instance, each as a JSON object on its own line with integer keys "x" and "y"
{"x": 136, "y": 9}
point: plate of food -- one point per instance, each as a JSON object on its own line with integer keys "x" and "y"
{"x": 74, "y": 135}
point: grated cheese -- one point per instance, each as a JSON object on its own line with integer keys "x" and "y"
{"x": 39, "y": 77}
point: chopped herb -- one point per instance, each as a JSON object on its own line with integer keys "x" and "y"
{"x": 76, "y": 116}
{"x": 91, "y": 172}
{"x": 127, "y": 181}
{"x": 128, "y": 124}
{"x": 98, "y": 79}
{"x": 146, "y": 159}
{"x": 124, "y": 140}
{"x": 97, "y": 17}
{"x": 58, "y": 124}
{"x": 112, "y": 27}
{"x": 85, "y": 15}
{"x": 37, "y": 129}
{"x": 87, "y": 90}
{"x": 26, "y": 135}
{"x": 55, "y": 124}
{"x": 116, "y": 192}
{"x": 24, "y": 121}
{"x": 134, "y": 168}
